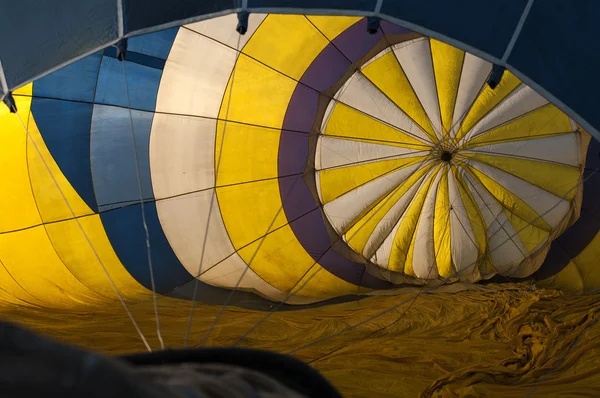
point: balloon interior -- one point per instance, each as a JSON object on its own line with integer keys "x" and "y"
{"x": 198, "y": 187}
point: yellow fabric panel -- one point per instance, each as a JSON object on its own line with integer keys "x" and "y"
{"x": 508, "y": 200}
{"x": 287, "y": 43}
{"x": 50, "y": 202}
{"x": 347, "y": 122}
{"x": 34, "y": 263}
{"x": 251, "y": 210}
{"x": 78, "y": 257}
{"x": 340, "y": 180}
{"x": 487, "y": 100}
{"x": 17, "y": 204}
{"x": 320, "y": 283}
{"x": 528, "y": 234}
{"x": 408, "y": 265}
{"x": 545, "y": 121}
{"x": 235, "y": 165}
{"x": 441, "y": 228}
{"x": 587, "y": 263}
{"x": 26, "y": 90}
{"x": 472, "y": 211}
{"x": 281, "y": 260}
{"x": 569, "y": 279}
{"x": 387, "y": 74}
{"x": 404, "y": 239}
{"x": 12, "y": 291}
{"x": 360, "y": 232}
{"x": 561, "y": 180}
{"x": 447, "y": 66}
{"x": 330, "y": 26}
{"x": 256, "y": 88}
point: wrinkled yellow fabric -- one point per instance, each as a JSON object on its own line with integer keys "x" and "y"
{"x": 509, "y": 340}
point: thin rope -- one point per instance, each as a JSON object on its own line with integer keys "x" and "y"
{"x": 141, "y": 201}
{"x": 212, "y": 199}
{"x": 112, "y": 283}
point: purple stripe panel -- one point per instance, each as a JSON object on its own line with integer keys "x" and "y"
{"x": 298, "y": 202}
{"x": 325, "y": 69}
{"x": 389, "y": 28}
{"x": 304, "y": 102}
{"x": 355, "y": 41}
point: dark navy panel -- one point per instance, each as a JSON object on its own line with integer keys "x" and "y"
{"x": 157, "y": 44}
{"x": 65, "y": 127}
{"x": 485, "y": 25}
{"x": 125, "y": 231}
{"x": 112, "y": 157}
{"x": 142, "y": 14}
{"x": 74, "y": 82}
{"x": 558, "y": 49}
{"x": 142, "y": 82}
{"x": 40, "y": 35}
{"x": 357, "y": 5}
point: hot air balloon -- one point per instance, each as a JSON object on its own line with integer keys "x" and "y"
{"x": 170, "y": 173}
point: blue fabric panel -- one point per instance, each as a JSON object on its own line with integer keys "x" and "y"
{"x": 486, "y": 25}
{"x": 40, "y": 35}
{"x": 140, "y": 59}
{"x": 358, "y": 5}
{"x": 125, "y": 231}
{"x": 156, "y": 44}
{"x": 112, "y": 157}
{"x": 141, "y": 14}
{"x": 75, "y": 82}
{"x": 142, "y": 82}
{"x": 558, "y": 49}
{"x": 65, "y": 127}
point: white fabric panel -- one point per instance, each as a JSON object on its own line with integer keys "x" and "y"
{"x": 417, "y": 64}
{"x": 199, "y": 238}
{"x": 505, "y": 248}
{"x": 463, "y": 245}
{"x": 384, "y": 228}
{"x": 189, "y": 221}
{"x": 473, "y": 77}
{"x": 521, "y": 101}
{"x": 222, "y": 29}
{"x": 548, "y": 206}
{"x": 343, "y": 210}
{"x": 424, "y": 258}
{"x": 562, "y": 149}
{"x": 382, "y": 255}
{"x": 181, "y": 154}
{"x": 195, "y": 76}
{"x": 360, "y": 93}
{"x": 334, "y": 152}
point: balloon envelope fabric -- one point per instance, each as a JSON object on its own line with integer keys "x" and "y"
{"x": 302, "y": 161}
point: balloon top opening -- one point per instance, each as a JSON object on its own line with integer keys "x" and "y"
{"x": 446, "y": 156}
